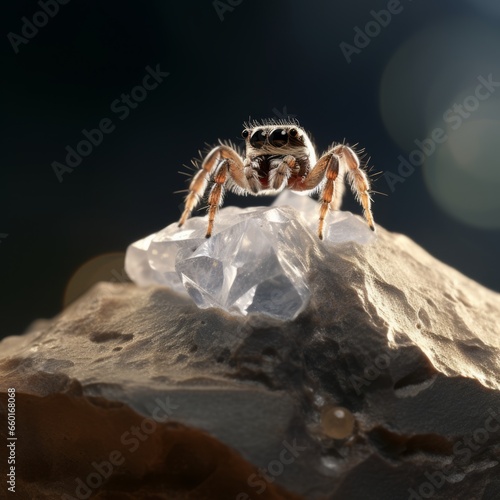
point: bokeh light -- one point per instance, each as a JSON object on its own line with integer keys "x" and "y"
{"x": 432, "y": 83}
{"x": 486, "y": 6}
{"x": 463, "y": 176}
{"x": 106, "y": 267}
{"x": 420, "y": 82}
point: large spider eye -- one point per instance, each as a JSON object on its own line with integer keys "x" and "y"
{"x": 258, "y": 138}
{"x": 245, "y": 133}
{"x": 278, "y": 138}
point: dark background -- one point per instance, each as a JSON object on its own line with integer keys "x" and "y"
{"x": 264, "y": 58}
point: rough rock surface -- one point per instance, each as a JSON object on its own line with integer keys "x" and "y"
{"x": 407, "y": 346}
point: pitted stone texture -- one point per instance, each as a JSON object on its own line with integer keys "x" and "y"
{"x": 407, "y": 346}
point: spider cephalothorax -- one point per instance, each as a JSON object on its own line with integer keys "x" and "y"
{"x": 278, "y": 155}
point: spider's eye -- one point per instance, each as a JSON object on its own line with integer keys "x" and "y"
{"x": 278, "y": 138}
{"x": 293, "y": 132}
{"x": 245, "y": 133}
{"x": 258, "y": 139}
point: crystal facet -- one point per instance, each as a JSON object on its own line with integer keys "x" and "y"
{"x": 254, "y": 262}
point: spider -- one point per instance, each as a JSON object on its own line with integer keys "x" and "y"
{"x": 278, "y": 155}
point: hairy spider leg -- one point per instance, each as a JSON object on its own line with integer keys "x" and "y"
{"x": 232, "y": 161}
{"x": 360, "y": 184}
{"x": 323, "y": 176}
{"x": 328, "y": 190}
{"x": 328, "y": 176}
{"x": 278, "y": 177}
{"x": 216, "y": 195}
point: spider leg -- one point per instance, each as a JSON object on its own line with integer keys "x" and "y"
{"x": 358, "y": 179}
{"x": 216, "y": 194}
{"x": 252, "y": 177}
{"x": 339, "y": 191}
{"x": 200, "y": 180}
{"x": 229, "y": 174}
{"x": 315, "y": 176}
{"x": 280, "y": 175}
{"x": 328, "y": 190}
{"x": 327, "y": 177}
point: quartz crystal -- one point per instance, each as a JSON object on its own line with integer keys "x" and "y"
{"x": 254, "y": 262}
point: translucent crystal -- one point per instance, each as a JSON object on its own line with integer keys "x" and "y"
{"x": 340, "y": 227}
{"x": 254, "y": 262}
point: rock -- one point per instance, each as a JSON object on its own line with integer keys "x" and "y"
{"x": 385, "y": 386}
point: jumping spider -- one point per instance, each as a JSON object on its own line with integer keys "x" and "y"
{"x": 279, "y": 155}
